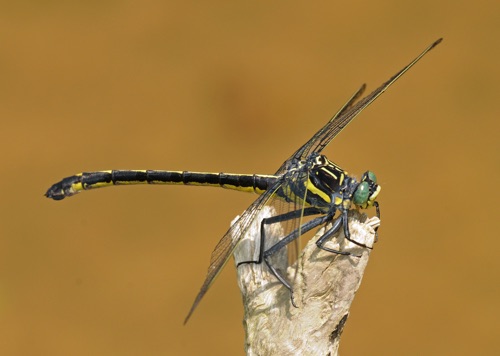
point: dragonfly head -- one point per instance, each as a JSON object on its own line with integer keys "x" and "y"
{"x": 367, "y": 191}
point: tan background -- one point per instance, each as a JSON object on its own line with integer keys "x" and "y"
{"x": 237, "y": 87}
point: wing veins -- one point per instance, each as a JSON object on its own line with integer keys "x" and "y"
{"x": 349, "y": 111}
{"x": 316, "y": 144}
{"x": 223, "y": 251}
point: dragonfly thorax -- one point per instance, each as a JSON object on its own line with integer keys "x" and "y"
{"x": 326, "y": 175}
{"x": 330, "y": 186}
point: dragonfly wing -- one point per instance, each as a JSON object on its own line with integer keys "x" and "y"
{"x": 292, "y": 187}
{"x": 224, "y": 249}
{"x": 284, "y": 187}
{"x": 303, "y": 151}
{"x": 348, "y": 112}
{"x": 283, "y": 230}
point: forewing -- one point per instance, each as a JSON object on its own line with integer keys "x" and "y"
{"x": 348, "y": 112}
{"x": 294, "y": 181}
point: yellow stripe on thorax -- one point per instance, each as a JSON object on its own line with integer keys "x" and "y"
{"x": 313, "y": 189}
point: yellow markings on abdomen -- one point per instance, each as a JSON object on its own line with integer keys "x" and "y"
{"x": 90, "y": 180}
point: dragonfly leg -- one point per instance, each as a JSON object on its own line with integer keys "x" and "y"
{"x": 329, "y": 233}
{"x": 285, "y": 241}
{"x": 345, "y": 221}
{"x": 278, "y": 219}
{"x": 377, "y": 208}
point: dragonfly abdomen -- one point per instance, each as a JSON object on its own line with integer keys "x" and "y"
{"x": 69, "y": 186}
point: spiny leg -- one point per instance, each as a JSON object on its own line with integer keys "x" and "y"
{"x": 344, "y": 218}
{"x": 279, "y": 219}
{"x": 329, "y": 233}
{"x": 285, "y": 241}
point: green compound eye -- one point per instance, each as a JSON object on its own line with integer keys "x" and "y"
{"x": 371, "y": 176}
{"x": 361, "y": 194}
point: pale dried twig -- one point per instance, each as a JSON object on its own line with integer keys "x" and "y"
{"x": 324, "y": 288}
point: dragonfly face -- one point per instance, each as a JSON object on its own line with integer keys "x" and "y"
{"x": 367, "y": 191}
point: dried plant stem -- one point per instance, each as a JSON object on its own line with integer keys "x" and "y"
{"x": 324, "y": 287}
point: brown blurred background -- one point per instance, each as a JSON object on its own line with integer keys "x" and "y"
{"x": 237, "y": 87}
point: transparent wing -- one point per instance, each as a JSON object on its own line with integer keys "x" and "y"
{"x": 347, "y": 113}
{"x": 292, "y": 184}
{"x": 224, "y": 249}
{"x": 292, "y": 181}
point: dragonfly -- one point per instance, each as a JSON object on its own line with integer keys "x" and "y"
{"x": 307, "y": 186}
